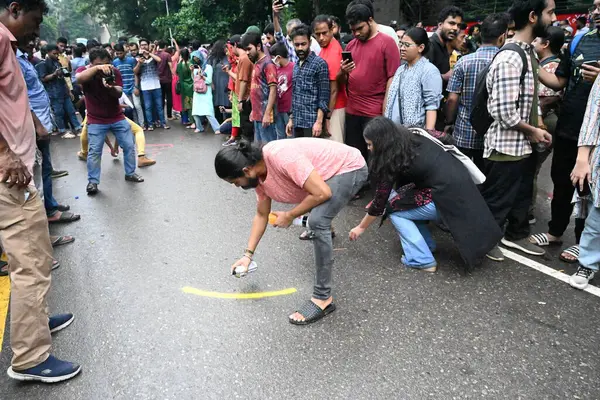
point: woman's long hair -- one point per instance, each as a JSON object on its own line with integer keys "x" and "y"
{"x": 393, "y": 149}
{"x": 231, "y": 161}
{"x": 185, "y": 55}
{"x": 217, "y": 52}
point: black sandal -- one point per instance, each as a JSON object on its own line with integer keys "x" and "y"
{"x": 310, "y": 235}
{"x": 312, "y": 313}
{"x": 63, "y": 208}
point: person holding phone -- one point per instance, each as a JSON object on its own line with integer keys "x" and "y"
{"x": 575, "y": 74}
{"x": 586, "y": 179}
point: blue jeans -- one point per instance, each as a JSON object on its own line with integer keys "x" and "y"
{"x": 184, "y": 117}
{"x": 50, "y": 203}
{"x": 415, "y": 237}
{"x": 281, "y": 121}
{"x": 225, "y": 128}
{"x": 96, "y": 135}
{"x": 211, "y": 120}
{"x": 60, "y": 107}
{"x": 264, "y": 135}
{"x": 589, "y": 245}
{"x": 153, "y": 102}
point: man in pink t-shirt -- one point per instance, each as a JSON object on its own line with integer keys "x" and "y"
{"x": 375, "y": 59}
{"x": 319, "y": 176}
{"x": 331, "y": 52}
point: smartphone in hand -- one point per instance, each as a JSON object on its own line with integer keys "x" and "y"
{"x": 347, "y": 56}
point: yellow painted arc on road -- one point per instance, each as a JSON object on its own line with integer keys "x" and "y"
{"x": 4, "y": 299}
{"x": 242, "y": 296}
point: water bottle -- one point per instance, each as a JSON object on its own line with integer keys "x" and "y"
{"x": 300, "y": 221}
{"x": 240, "y": 272}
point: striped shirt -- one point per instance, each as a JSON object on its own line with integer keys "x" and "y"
{"x": 590, "y": 136}
{"x": 126, "y": 66}
{"x": 504, "y": 88}
{"x": 463, "y": 81}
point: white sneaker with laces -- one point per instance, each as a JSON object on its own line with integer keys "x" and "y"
{"x": 581, "y": 278}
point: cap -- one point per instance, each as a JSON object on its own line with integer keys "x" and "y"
{"x": 253, "y": 29}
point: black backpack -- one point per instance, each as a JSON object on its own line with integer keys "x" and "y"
{"x": 481, "y": 120}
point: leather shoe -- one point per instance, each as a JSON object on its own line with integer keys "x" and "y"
{"x": 92, "y": 188}
{"x": 134, "y": 178}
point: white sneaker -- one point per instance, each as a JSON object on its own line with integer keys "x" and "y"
{"x": 581, "y": 278}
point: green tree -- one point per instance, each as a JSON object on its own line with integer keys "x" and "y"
{"x": 64, "y": 19}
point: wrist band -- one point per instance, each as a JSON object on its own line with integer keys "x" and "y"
{"x": 249, "y": 251}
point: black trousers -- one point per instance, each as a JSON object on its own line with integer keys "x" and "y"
{"x": 355, "y": 126}
{"x": 167, "y": 95}
{"x": 303, "y": 132}
{"x": 508, "y": 191}
{"x": 475, "y": 155}
{"x": 563, "y": 162}
{"x": 246, "y": 126}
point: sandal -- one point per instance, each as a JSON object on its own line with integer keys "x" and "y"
{"x": 3, "y": 268}
{"x": 61, "y": 240}
{"x": 541, "y": 239}
{"x": 310, "y": 235}
{"x": 65, "y": 217}
{"x": 150, "y": 129}
{"x": 166, "y": 127}
{"x": 55, "y": 264}
{"x": 63, "y": 208}
{"x": 573, "y": 251}
{"x": 427, "y": 268}
{"x": 312, "y": 313}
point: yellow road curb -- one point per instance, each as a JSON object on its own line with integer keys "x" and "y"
{"x": 242, "y": 296}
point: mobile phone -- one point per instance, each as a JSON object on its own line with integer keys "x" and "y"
{"x": 586, "y": 189}
{"x": 595, "y": 63}
{"x": 347, "y": 56}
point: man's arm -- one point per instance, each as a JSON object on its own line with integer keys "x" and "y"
{"x": 333, "y": 94}
{"x": 270, "y": 104}
{"x": 87, "y": 74}
{"x": 259, "y": 223}
{"x": 455, "y": 89}
{"x": 40, "y": 130}
{"x": 138, "y": 67}
{"x": 451, "y": 108}
{"x": 277, "y": 7}
{"x": 553, "y": 81}
{"x": 11, "y": 167}
{"x": 387, "y": 89}
{"x": 155, "y": 57}
{"x": 47, "y": 77}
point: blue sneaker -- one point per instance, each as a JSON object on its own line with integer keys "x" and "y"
{"x": 60, "y": 322}
{"x": 50, "y": 371}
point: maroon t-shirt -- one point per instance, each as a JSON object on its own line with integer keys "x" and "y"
{"x": 164, "y": 72}
{"x": 376, "y": 61}
{"x": 284, "y": 88}
{"x": 102, "y": 108}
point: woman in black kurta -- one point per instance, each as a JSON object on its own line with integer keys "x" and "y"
{"x": 399, "y": 157}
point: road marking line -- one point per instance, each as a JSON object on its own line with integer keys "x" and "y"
{"x": 4, "y": 299}
{"x": 260, "y": 295}
{"x": 546, "y": 270}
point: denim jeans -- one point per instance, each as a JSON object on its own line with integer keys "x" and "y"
{"x": 62, "y": 107}
{"x": 264, "y": 135}
{"x": 225, "y": 128}
{"x": 97, "y": 134}
{"x": 343, "y": 188}
{"x": 589, "y": 245}
{"x": 415, "y": 237}
{"x": 211, "y": 120}
{"x": 50, "y": 203}
{"x": 139, "y": 109}
{"x": 281, "y": 121}
{"x": 153, "y": 103}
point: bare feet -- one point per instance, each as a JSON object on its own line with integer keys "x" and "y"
{"x": 321, "y": 303}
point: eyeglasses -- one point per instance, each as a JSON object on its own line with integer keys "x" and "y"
{"x": 593, "y": 9}
{"x": 407, "y": 44}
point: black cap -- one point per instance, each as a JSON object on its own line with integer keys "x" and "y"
{"x": 235, "y": 40}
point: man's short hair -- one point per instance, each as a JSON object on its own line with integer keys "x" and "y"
{"x": 367, "y": 3}
{"x": 251, "y": 39}
{"x": 77, "y": 51}
{"x": 582, "y": 20}
{"x": 62, "y": 40}
{"x": 335, "y": 20}
{"x": 494, "y": 26}
{"x": 358, "y": 13}
{"x": 99, "y": 54}
{"x": 162, "y": 44}
{"x": 269, "y": 30}
{"x": 51, "y": 47}
{"x": 235, "y": 40}
{"x": 123, "y": 39}
{"x": 279, "y": 49}
{"x": 30, "y": 5}
{"x": 450, "y": 11}
{"x": 119, "y": 47}
{"x": 107, "y": 45}
{"x": 292, "y": 23}
{"x": 143, "y": 40}
{"x": 301, "y": 30}
{"x": 322, "y": 19}
{"x": 520, "y": 10}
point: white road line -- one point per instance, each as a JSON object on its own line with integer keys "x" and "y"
{"x": 546, "y": 270}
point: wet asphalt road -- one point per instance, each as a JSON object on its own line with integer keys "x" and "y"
{"x": 504, "y": 332}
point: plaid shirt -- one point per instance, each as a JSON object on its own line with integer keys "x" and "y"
{"x": 310, "y": 91}
{"x": 463, "y": 81}
{"x": 289, "y": 46}
{"x": 590, "y": 136}
{"x": 504, "y": 88}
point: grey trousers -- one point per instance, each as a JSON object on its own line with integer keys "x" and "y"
{"x": 343, "y": 188}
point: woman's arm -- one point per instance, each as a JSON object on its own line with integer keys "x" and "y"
{"x": 376, "y": 209}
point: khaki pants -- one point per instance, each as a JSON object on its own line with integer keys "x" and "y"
{"x": 138, "y": 134}
{"x": 337, "y": 124}
{"x": 26, "y": 240}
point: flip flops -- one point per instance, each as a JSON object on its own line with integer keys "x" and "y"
{"x": 312, "y": 313}
{"x": 572, "y": 251}
{"x": 541, "y": 239}
{"x": 61, "y": 240}
{"x": 65, "y": 217}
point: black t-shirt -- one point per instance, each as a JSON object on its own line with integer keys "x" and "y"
{"x": 576, "y": 94}
{"x": 438, "y": 54}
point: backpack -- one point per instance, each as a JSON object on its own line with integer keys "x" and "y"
{"x": 200, "y": 85}
{"x": 480, "y": 118}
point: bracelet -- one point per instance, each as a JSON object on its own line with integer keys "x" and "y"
{"x": 247, "y": 256}
{"x": 249, "y": 251}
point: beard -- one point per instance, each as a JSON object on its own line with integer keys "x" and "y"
{"x": 540, "y": 29}
{"x": 369, "y": 33}
{"x": 301, "y": 54}
{"x": 252, "y": 184}
{"x": 446, "y": 35}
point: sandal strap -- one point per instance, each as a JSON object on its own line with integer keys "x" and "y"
{"x": 310, "y": 311}
{"x": 541, "y": 239}
{"x": 572, "y": 251}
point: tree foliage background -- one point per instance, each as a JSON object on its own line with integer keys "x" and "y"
{"x": 66, "y": 20}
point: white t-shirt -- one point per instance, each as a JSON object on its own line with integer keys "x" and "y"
{"x": 388, "y": 30}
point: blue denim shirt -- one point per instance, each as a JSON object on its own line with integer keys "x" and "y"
{"x": 39, "y": 102}
{"x": 56, "y": 88}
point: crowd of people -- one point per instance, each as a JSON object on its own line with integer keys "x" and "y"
{"x": 450, "y": 129}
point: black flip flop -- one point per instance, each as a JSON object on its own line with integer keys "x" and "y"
{"x": 310, "y": 235}
{"x": 65, "y": 217}
{"x": 62, "y": 240}
{"x": 312, "y": 313}
{"x": 63, "y": 208}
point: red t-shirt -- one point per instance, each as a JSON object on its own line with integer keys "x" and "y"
{"x": 102, "y": 108}
{"x": 284, "y": 88}
{"x": 332, "y": 55}
{"x": 164, "y": 72}
{"x": 376, "y": 61}
{"x": 264, "y": 76}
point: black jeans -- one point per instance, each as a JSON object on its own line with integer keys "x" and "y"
{"x": 475, "y": 155}
{"x": 167, "y": 95}
{"x": 563, "y": 162}
{"x": 303, "y": 132}
{"x": 247, "y": 126}
{"x": 355, "y": 125}
{"x": 507, "y": 191}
